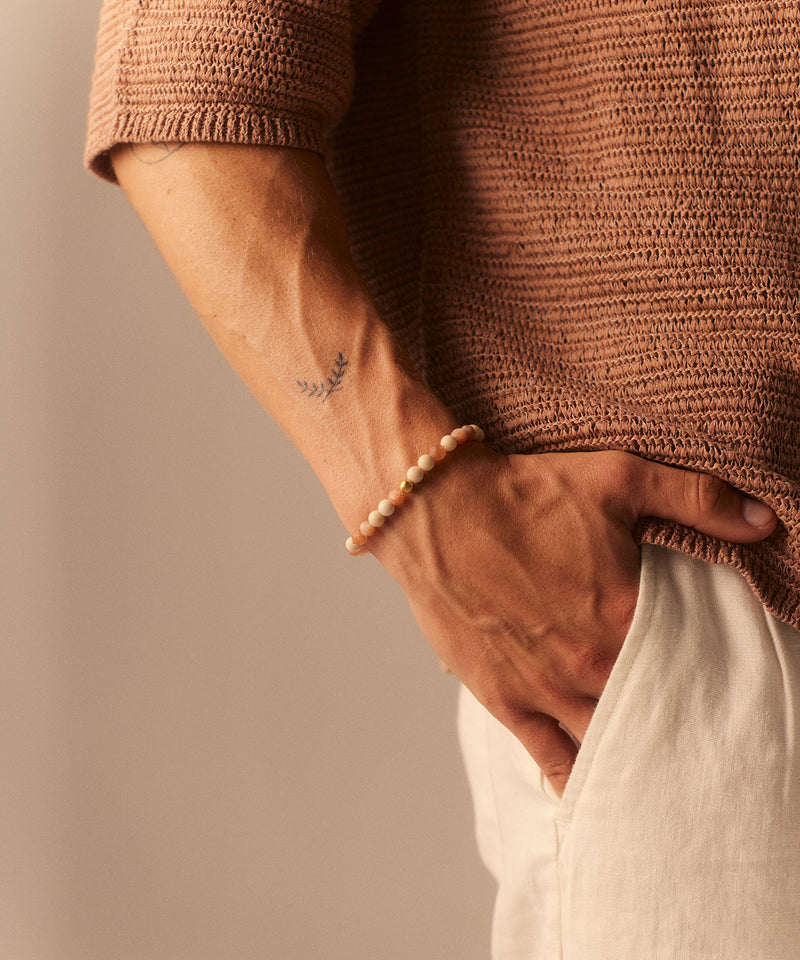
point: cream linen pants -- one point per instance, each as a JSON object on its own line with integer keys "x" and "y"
{"x": 678, "y": 836}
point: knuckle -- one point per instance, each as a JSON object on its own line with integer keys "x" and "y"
{"x": 591, "y": 664}
{"x": 620, "y": 608}
{"x": 504, "y": 706}
{"x": 615, "y": 477}
{"x": 556, "y": 769}
{"x": 623, "y": 469}
{"x": 702, "y": 491}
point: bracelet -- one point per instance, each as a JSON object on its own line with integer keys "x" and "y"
{"x": 415, "y": 474}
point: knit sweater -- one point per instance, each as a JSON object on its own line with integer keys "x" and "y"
{"x": 580, "y": 218}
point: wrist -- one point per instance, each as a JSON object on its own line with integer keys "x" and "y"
{"x": 410, "y": 484}
{"x": 362, "y": 441}
{"x": 416, "y": 545}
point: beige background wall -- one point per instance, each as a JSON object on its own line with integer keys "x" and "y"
{"x": 220, "y": 737}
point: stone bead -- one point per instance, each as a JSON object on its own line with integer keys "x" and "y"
{"x": 356, "y": 542}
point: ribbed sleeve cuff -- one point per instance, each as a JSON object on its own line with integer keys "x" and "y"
{"x": 221, "y": 124}
{"x": 268, "y": 73}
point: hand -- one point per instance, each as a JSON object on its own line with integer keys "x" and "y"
{"x": 523, "y": 574}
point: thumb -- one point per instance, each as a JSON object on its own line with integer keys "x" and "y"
{"x": 704, "y": 502}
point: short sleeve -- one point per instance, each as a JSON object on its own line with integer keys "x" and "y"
{"x": 277, "y": 72}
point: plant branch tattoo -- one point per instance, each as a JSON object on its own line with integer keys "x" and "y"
{"x": 331, "y": 384}
{"x": 151, "y": 153}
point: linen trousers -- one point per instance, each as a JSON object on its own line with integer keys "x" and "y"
{"x": 678, "y": 835}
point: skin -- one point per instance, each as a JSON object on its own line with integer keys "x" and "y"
{"x": 526, "y": 591}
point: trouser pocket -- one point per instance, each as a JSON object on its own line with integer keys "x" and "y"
{"x": 613, "y": 692}
{"x": 679, "y": 832}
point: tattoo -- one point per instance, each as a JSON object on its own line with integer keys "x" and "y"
{"x": 151, "y": 153}
{"x": 332, "y": 383}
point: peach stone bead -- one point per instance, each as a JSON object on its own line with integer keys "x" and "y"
{"x": 358, "y": 538}
{"x": 449, "y": 443}
{"x": 479, "y": 434}
{"x": 367, "y": 529}
{"x": 459, "y": 435}
{"x": 470, "y": 432}
{"x": 438, "y": 453}
{"x": 397, "y": 497}
{"x": 426, "y": 462}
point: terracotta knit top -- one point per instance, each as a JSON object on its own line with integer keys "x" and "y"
{"x": 581, "y": 218}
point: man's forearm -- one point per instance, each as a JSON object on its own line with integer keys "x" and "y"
{"x": 522, "y": 571}
{"x": 256, "y": 238}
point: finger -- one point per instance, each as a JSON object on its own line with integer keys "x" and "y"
{"x": 702, "y": 501}
{"x": 550, "y": 746}
{"x": 578, "y": 715}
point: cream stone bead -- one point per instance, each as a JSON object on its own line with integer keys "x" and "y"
{"x": 356, "y": 542}
{"x": 376, "y": 518}
{"x": 353, "y": 548}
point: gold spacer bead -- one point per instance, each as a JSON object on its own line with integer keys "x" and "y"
{"x": 406, "y": 487}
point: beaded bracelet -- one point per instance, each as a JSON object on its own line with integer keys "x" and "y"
{"x": 415, "y": 474}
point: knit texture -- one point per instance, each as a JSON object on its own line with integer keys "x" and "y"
{"x": 580, "y": 218}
